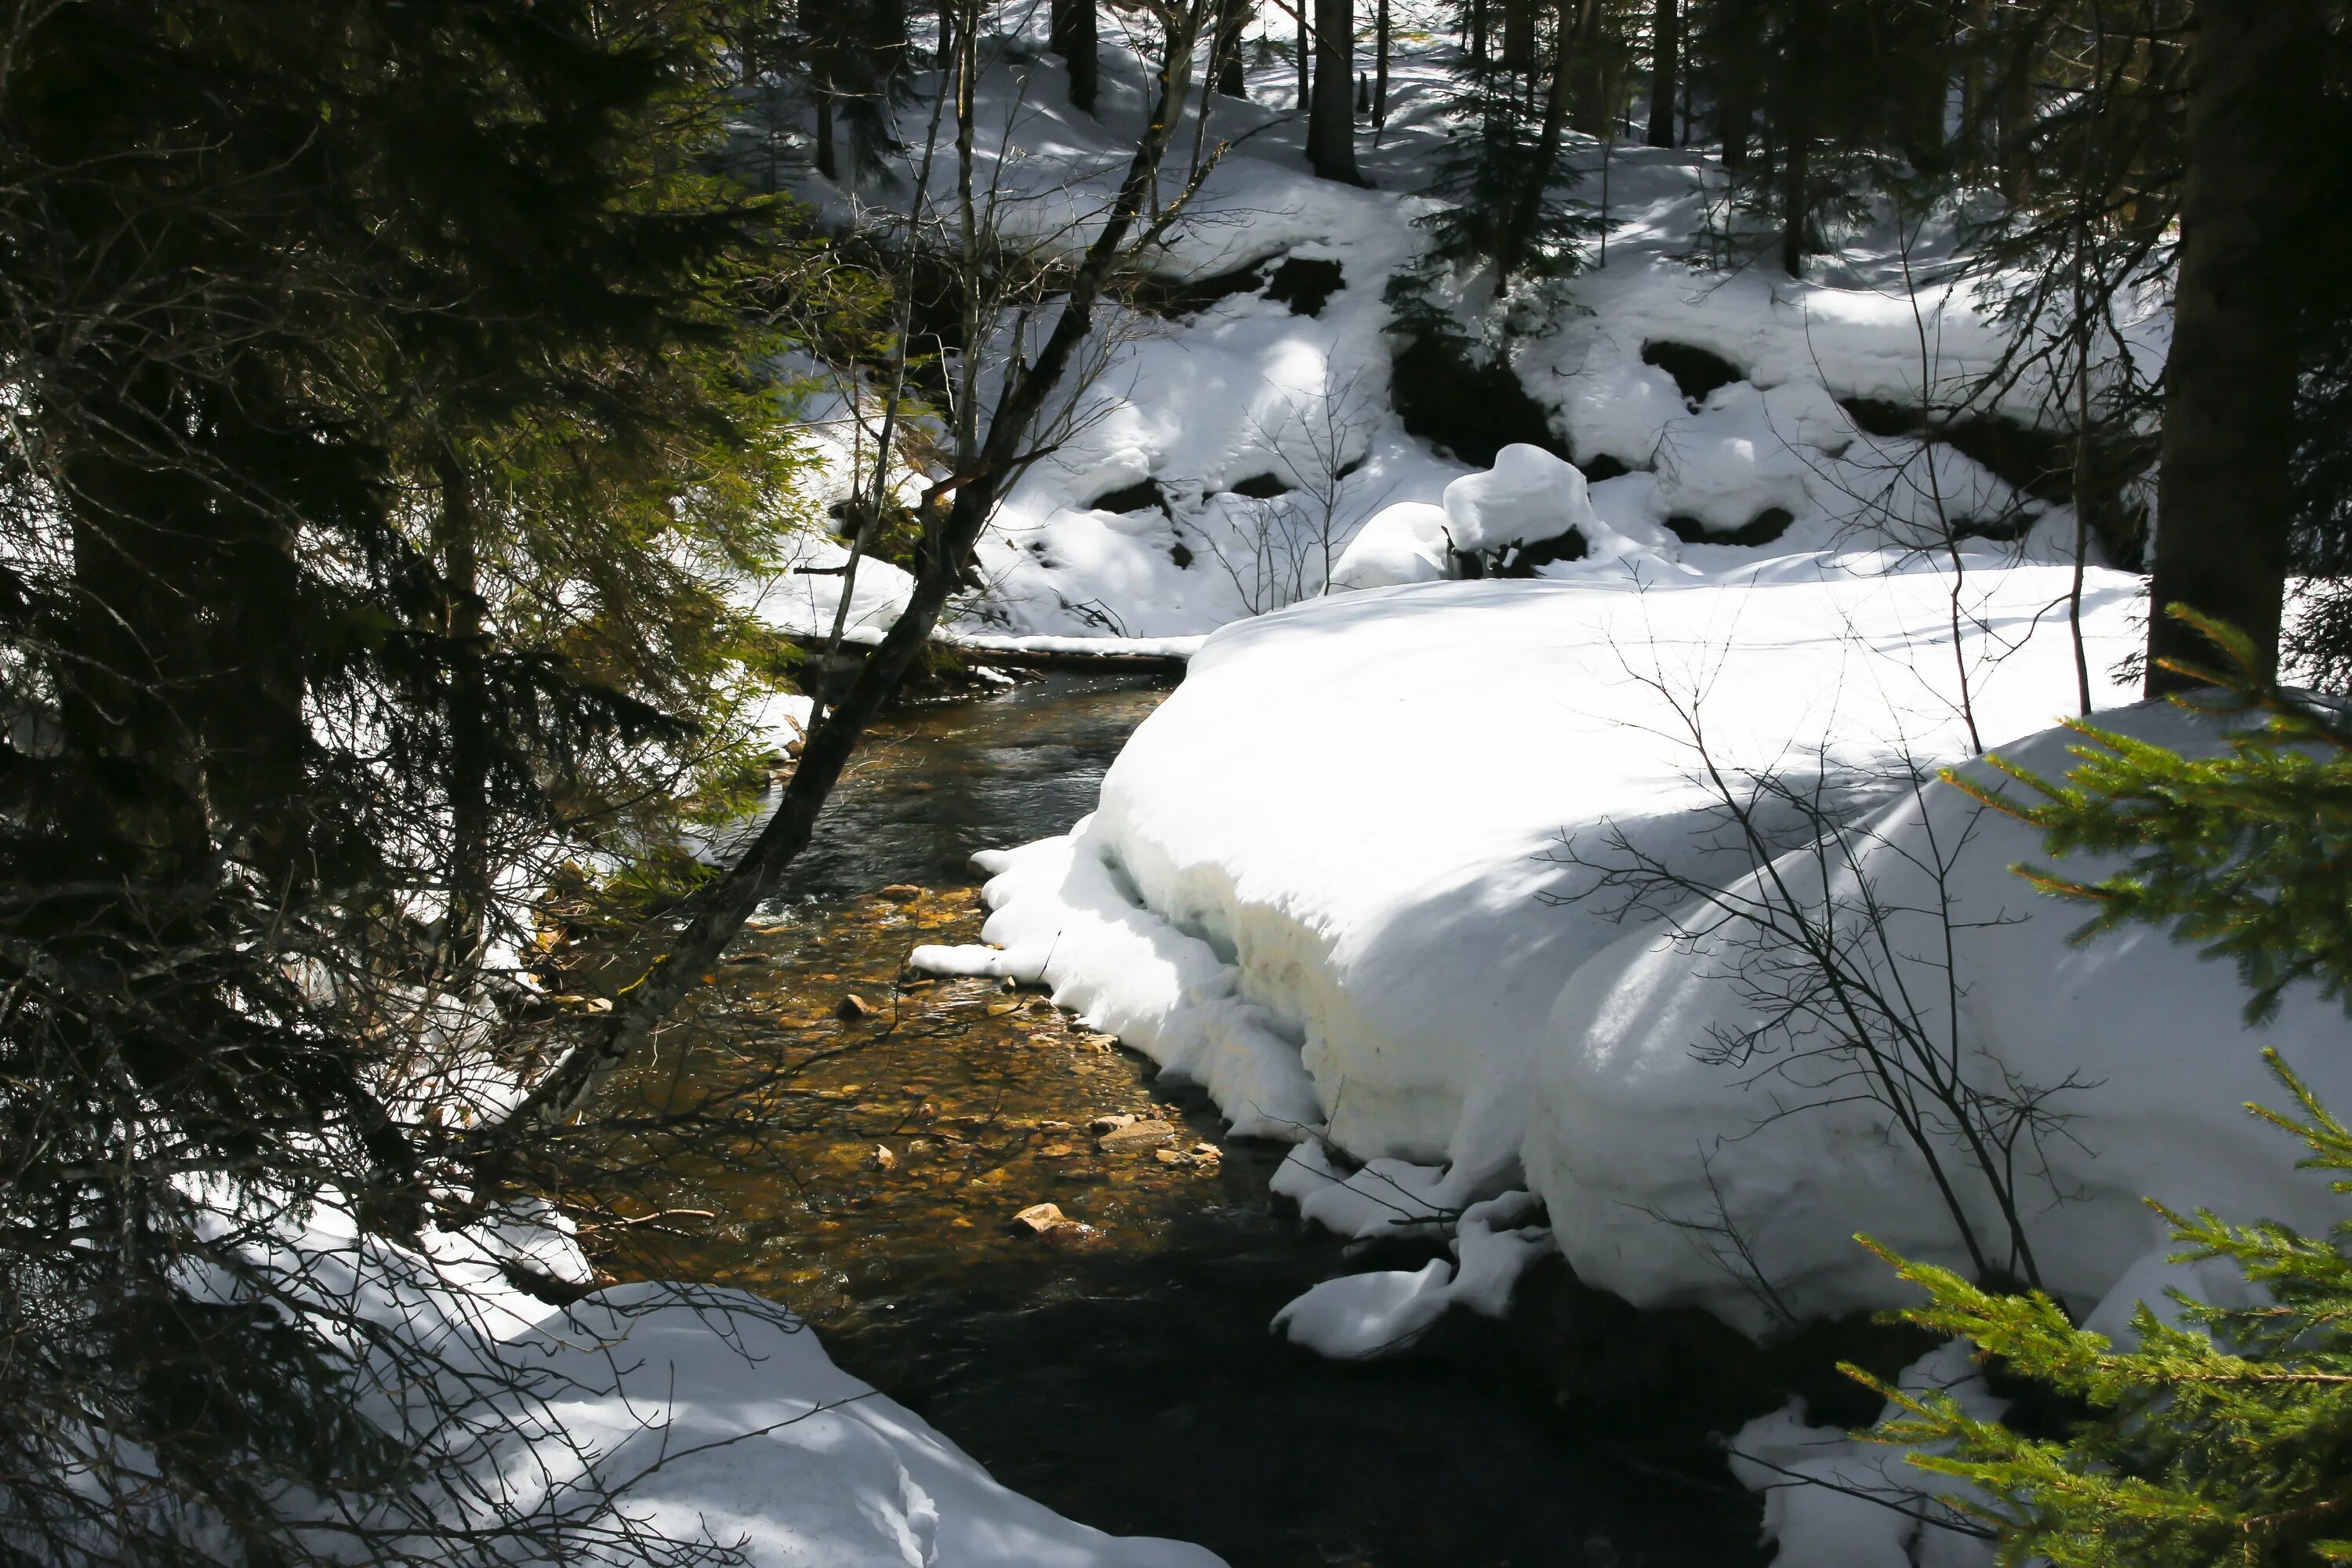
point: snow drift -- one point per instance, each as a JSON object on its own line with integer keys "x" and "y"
{"x": 1344, "y": 877}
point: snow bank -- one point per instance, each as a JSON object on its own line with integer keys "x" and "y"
{"x": 1327, "y": 879}
{"x": 673, "y": 1411}
{"x": 764, "y": 1441}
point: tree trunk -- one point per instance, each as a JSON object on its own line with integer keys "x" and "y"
{"x": 2222, "y": 497}
{"x": 1233, "y": 18}
{"x": 1519, "y": 36}
{"x": 1976, "y": 17}
{"x": 1072, "y": 38}
{"x": 1330, "y": 127}
{"x": 2012, "y": 92}
{"x": 826, "y": 165}
{"x": 1666, "y": 70}
{"x": 1796, "y": 202}
{"x": 1306, "y": 63}
{"x": 1591, "y": 112}
{"x": 1380, "y": 75}
{"x": 1479, "y": 62}
{"x": 1528, "y": 216}
{"x": 464, "y": 924}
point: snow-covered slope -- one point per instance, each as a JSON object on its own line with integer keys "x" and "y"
{"x": 1154, "y": 518}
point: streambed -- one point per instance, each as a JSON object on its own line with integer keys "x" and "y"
{"x": 1124, "y": 1376}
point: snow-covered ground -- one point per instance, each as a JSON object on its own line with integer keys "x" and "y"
{"x": 660, "y": 1413}
{"x": 1153, "y": 518}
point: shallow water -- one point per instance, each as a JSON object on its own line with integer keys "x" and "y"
{"x": 1124, "y": 1377}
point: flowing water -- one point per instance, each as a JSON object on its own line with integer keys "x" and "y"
{"x": 1124, "y": 1376}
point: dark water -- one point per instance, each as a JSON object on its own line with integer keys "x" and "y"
{"x": 932, "y": 788}
{"x": 1126, "y": 1379}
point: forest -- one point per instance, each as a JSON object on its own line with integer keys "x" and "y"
{"x": 761, "y": 757}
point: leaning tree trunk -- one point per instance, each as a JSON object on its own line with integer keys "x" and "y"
{"x": 1666, "y": 70}
{"x": 2230, "y": 385}
{"x": 1331, "y": 123}
{"x": 1072, "y": 38}
{"x": 956, "y": 511}
{"x": 1306, "y": 62}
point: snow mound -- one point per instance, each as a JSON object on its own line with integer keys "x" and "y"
{"x": 1350, "y": 865}
{"x": 1402, "y": 544}
{"x": 1528, "y": 496}
{"x": 2140, "y": 1047}
{"x": 1362, "y": 1317}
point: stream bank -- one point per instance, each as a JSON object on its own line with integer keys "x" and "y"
{"x": 1126, "y": 1378}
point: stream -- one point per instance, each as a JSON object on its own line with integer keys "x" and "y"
{"x": 1125, "y": 1378}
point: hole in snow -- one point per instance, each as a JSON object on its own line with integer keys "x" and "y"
{"x": 1762, "y": 529}
{"x": 2039, "y": 462}
{"x": 1180, "y": 553}
{"x": 1141, "y": 496}
{"x": 1260, "y": 487}
{"x": 1465, "y": 408}
{"x": 1304, "y": 285}
{"x": 1522, "y": 559}
{"x": 1188, "y": 296}
{"x": 1696, "y": 372}
{"x": 1601, "y": 465}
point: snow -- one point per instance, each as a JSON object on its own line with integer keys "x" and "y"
{"x": 1528, "y": 495}
{"x": 1362, "y": 1317}
{"x": 1358, "y": 1317}
{"x": 1402, "y": 544}
{"x": 1246, "y": 387}
{"x": 763, "y": 1441}
{"x": 1831, "y": 1501}
{"x": 692, "y": 1413}
{"x": 1381, "y": 1198}
{"x": 1325, "y": 881}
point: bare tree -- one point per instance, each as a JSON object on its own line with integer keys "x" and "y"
{"x": 1852, "y": 989}
{"x": 1277, "y": 549}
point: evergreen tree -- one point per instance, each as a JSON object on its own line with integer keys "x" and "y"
{"x": 2256, "y": 76}
{"x": 382, "y": 449}
{"x": 1665, "y": 71}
